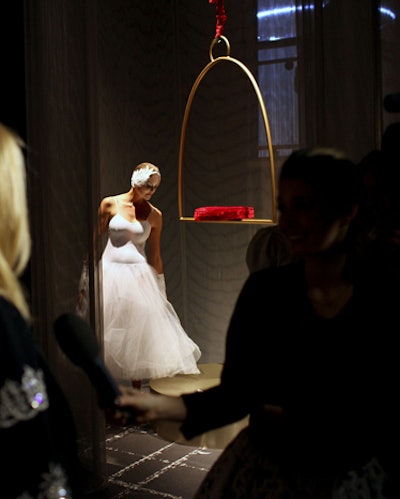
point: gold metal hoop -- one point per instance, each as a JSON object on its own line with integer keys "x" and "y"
{"x": 213, "y": 62}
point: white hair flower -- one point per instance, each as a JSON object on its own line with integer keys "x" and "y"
{"x": 142, "y": 175}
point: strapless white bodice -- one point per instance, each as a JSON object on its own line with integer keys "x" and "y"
{"x": 126, "y": 240}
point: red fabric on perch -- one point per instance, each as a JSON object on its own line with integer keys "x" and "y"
{"x": 223, "y": 212}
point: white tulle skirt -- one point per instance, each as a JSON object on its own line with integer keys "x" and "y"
{"x": 143, "y": 336}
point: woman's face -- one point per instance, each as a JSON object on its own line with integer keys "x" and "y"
{"x": 149, "y": 188}
{"x": 303, "y": 218}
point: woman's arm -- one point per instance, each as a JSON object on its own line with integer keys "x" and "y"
{"x": 223, "y": 404}
{"x": 104, "y": 215}
{"x": 153, "y": 250}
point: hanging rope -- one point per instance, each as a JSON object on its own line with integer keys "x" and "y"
{"x": 221, "y": 17}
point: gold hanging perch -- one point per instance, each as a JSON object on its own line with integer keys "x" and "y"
{"x": 213, "y": 62}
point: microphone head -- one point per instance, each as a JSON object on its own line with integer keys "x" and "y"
{"x": 78, "y": 341}
{"x": 391, "y": 103}
{"x": 76, "y": 338}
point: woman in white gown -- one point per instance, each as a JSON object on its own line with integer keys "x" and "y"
{"x": 143, "y": 336}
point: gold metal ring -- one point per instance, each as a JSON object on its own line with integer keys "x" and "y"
{"x": 217, "y": 40}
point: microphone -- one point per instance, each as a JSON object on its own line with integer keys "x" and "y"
{"x": 78, "y": 341}
{"x": 391, "y": 103}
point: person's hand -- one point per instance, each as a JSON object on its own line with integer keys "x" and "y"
{"x": 141, "y": 404}
{"x": 147, "y": 407}
{"x": 123, "y": 413}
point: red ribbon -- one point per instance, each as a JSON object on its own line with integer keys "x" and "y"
{"x": 221, "y": 17}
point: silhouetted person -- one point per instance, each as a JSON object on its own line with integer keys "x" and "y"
{"x": 311, "y": 356}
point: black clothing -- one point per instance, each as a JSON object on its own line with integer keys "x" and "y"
{"x": 336, "y": 379}
{"x": 37, "y": 432}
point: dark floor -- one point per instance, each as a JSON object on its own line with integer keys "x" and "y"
{"x": 141, "y": 464}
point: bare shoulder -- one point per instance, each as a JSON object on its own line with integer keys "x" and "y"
{"x": 155, "y": 216}
{"x": 106, "y": 203}
{"x": 154, "y": 211}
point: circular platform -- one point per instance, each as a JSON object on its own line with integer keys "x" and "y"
{"x": 187, "y": 383}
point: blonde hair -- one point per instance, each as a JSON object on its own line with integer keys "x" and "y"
{"x": 15, "y": 240}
